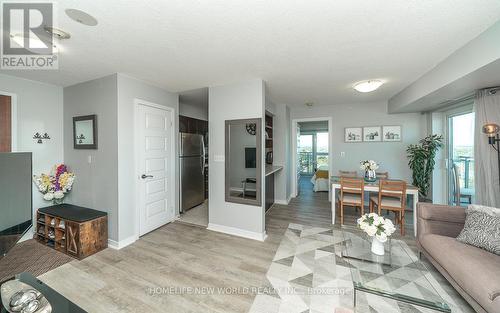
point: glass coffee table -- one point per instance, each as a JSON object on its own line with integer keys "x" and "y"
{"x": 398, "y": 275}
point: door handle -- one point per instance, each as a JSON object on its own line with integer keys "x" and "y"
{"x": 144, "y": 176}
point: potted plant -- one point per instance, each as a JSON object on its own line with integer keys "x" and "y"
{"x": 369, "y": 166}
{"x": 56, "y": 185}
{"x": 421, "y": 161}
{"x": 377, "y": 227}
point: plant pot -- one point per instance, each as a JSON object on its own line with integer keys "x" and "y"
{"x": 377, "y": 246}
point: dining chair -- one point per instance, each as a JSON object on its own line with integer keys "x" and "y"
{"x": 348, "y": 174}
{"x": 391, "y": 197}
{"x": 382, "y": 175}
{"x": 352, "y": 192}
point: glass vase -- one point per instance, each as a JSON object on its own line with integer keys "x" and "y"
{"x": 377, "y": 246}
{"x": 370, "y": 176}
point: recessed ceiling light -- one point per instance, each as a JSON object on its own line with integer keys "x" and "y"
{"x": 368, "y": 85}
{"x": 81, "y": 17}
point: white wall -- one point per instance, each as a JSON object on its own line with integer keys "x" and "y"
{"x": 236, "y": 101}
{"x": 39, "y": 109}
{"x": 194, "y": 111}
{"x": 96, "y": 183}
{"x": 281, "y": 152}
{"x": 129, "y": 89}
{"x": 108, "y": 182}
{"x": 390, "y": 155}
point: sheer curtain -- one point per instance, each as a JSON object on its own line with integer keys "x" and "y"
{"x": 487, "y": 108}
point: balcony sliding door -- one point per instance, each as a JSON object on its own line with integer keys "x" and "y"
{"x": 460, "y": 149}
{"x": 313, "y": 152}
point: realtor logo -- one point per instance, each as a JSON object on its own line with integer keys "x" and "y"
{"x": 26, "y": 41}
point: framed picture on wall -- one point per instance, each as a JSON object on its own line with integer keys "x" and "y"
{"x": 372, "y": 133}
{"x": 85, "y": 132}
{"x": 391, "y": 133}
{"x": 353, "y": 134}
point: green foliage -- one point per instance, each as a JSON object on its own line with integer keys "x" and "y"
{"x": 421, "y": 160}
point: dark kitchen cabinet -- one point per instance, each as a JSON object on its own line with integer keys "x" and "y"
{"x": 192, "y": 125}
{"x": 183, "y": 124}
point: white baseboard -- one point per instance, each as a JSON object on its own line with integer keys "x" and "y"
{"x": 237, "y": 232}
{"x": 284, "y": 202}
{"x": 117, "y": 245}
{"x": 28, "y": 234}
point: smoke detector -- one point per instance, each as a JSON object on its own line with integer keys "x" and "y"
{"x": 57, "y": 33}
{"x": 309, "y": 104}
{"x": 81, "y": 17}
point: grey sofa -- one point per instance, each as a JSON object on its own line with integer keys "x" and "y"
{"x": 473, "y": 272}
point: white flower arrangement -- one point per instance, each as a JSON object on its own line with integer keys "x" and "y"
{"x": 368, "y": 165}
{"x": 375, "y": 225}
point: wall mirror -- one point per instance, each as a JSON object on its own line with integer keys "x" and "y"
{"x": 85, "y": 132}
{"x": 243, "y": 161}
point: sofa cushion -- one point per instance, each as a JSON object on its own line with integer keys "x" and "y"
{"x": 482, "y": 228}
{"x": 474, "y": 270}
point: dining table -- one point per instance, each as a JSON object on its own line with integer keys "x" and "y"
{"x": 374, "y": 186}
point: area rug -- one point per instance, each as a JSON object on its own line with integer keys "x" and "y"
{"x": 308, "y": 274}
{"x": 32, "y": 257}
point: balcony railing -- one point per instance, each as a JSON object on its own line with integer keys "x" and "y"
{"x": 308, "y": 163}
{"x": 465, "y": 171}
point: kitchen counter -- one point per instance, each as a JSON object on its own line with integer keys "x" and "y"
{"x": 270, "y": 169}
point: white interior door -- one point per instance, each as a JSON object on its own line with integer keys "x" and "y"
{"x": 155, "y": 166}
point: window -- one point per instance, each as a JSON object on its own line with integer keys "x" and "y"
{"x": 313, "y": 152}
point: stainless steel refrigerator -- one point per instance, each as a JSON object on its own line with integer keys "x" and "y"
{"x": 192, "y": 170}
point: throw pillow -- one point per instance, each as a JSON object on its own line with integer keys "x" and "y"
{"x": 482, "y": 228}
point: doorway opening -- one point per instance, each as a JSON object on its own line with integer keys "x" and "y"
{"x": 193, "y": 157}
{"x": 312, "y": 156}
{"x": 460, "y": 156}
{"x": 6, "y": 123}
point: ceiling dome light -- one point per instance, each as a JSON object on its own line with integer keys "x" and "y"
{"x": 81, "y": 17}
{"x": 368, "y": 85}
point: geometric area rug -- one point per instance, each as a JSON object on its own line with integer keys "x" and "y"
{"x": 309, "y": 275}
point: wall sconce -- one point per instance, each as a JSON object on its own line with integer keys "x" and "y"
{"x": 491, "y": 130}
{"x": 39, "y": 138}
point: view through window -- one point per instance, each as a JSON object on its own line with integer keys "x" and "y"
{"x": 313, "y": 152}
{"x": 461, "y": 150}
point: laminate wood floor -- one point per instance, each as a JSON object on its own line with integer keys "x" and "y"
{"x": 154, "y": 273}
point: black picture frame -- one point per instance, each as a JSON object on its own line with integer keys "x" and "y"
{"x": 92, "y": 118}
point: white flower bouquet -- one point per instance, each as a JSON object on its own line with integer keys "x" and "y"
{"x": 368, "y": 165}
{"x": 376, "y": 226}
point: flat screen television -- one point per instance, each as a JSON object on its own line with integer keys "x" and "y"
{"x": 15, "y": 198}
{"x": 250, "y": 157}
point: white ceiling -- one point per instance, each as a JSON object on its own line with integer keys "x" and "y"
{"x": 196, "y": 97}
{"x": 305, "y": 50}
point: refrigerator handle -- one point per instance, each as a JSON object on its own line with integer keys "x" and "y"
{"x": 203, "y": 156}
